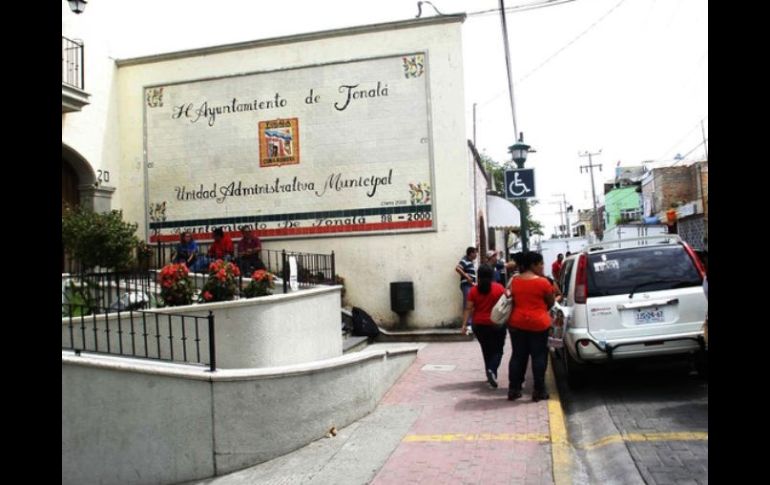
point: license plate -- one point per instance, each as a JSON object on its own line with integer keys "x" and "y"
{"x": 649, "y": 316}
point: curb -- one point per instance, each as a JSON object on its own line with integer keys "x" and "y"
{"x": 428, "y": 335}
{"x": 561, "y": 456}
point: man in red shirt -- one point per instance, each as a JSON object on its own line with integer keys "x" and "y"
{"x": 556, "y": 267}
{"x": 222, "y": 247}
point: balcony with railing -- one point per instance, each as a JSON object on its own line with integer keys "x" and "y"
{"x": 73, "y": 94}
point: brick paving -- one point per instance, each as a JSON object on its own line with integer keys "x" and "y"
{"x": 466, "y": 432}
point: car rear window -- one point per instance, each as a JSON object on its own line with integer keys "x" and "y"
{"x": 641, "y": 269}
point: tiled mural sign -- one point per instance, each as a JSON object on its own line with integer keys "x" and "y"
{"x": 338, "y": 148}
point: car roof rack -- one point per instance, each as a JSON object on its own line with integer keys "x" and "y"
{"x": 646, "y": 240}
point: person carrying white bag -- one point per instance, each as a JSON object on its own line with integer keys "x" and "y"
{"x": 491, "y": 336}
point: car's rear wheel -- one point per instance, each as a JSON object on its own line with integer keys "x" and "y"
{"x": 573, "y": 370}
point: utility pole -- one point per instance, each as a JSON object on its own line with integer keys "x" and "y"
{"x": 590, "y": 168}
{"x": 567, "y": 210}
{"x": 705, "y": 145}
{"x": 560, "y": 232}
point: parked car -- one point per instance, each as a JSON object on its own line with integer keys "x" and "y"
{"x": 629, "y": 299}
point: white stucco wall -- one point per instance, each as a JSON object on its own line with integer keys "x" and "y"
{"x": 480, "y": 201}
{"x": 368, "y": 263}
{"x": 93, "y": 132}
{"x": 129, "y": 421}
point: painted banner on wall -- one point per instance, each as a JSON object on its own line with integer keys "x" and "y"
{"x": 333, "y": 149}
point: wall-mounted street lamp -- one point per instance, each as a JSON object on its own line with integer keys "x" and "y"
{"x": 77, "y": 6}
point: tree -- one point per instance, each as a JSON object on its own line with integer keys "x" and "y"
{"x": 535, "y": 227}
{"x": 495, "y": 171}
{"x": 98, "y": 239}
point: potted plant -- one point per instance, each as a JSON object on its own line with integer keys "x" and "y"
{"x": 260, "y": 285}
{"x": 222, "y": 282}
{"x": 176, "y": 286}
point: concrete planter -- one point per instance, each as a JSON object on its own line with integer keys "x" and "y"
{"x": 267, "y": 331}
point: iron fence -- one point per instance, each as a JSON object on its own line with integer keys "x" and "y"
{"x": 72, "y": 67}
{"x": 311, "y": 268}
{"x": 174, "y": 337}
{"x": 90, "y": 293}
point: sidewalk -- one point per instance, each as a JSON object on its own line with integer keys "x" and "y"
{"x": 440, "y": 423}
{"x": 466, "y": 432}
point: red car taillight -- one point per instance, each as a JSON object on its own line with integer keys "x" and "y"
{"x": 581, "y": 280}
{"x": 695, "y": 259}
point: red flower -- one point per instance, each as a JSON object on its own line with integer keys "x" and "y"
{"x": 207, "y": 296}
{"x": 259, "y": 275}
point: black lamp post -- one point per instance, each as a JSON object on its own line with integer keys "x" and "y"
{"x": 77, "y": 6}
{"x": 519, "y": 151}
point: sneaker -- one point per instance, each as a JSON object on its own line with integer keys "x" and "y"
{"x": 539, "y": 396}
{"x": 513, "y": 394}
{"x": 491, "y": 378}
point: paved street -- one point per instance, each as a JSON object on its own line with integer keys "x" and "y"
{"x": 442, "y": 424}
{"x": 645, "y": 423}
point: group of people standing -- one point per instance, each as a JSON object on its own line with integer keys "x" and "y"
{"x": 249, "y": 249}
{"x": 528, "y": 325}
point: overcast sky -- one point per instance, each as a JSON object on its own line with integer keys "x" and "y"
{"x": 628, "y": 77}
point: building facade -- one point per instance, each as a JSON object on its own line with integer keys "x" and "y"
{"x": 350, "y": 140}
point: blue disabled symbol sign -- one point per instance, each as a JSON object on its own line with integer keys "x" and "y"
{"x": 520, "y": 184}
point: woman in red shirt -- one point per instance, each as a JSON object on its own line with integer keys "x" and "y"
{"x": 491, "y": 337}
{"x": 533, "y": 296}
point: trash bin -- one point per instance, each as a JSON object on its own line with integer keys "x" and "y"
{"x": 401, "y": 296}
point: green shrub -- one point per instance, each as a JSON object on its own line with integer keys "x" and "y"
{"x": 99, "y": 239}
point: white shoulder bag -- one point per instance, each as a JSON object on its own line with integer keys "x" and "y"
{"x": 501, "y": 312}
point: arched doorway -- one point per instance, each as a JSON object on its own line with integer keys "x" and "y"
{"x": 70, "y": 195}
{"x": 76, "y": 174}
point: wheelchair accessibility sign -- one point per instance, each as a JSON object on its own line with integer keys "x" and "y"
{"x": 520, "y": 184}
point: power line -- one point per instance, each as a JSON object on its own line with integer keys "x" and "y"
{"x": 520, "y": 8}
{"x": 685, "y": 136}
{"x": 570, "y": 42}
{"x": 594, "y": 24}
{"x": 692, "y": 150}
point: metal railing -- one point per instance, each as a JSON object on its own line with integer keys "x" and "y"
{"x": 173, "y": 337}
{"x": 312, "y": 269}
{"x": 72, "y": 66}
{"x": 89, "y": 293}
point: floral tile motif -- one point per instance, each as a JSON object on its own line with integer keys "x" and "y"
{"x": 414, "y": 66}
{"x": 154, "y": 97}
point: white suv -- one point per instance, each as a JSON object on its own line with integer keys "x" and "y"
{"x": 629, "y": 299}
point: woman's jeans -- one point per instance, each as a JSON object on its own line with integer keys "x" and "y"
{"x": 492, "y": 340}
{"x": 526, "y": 344}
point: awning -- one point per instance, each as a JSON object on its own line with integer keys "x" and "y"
{"x": 502, "y": 214}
